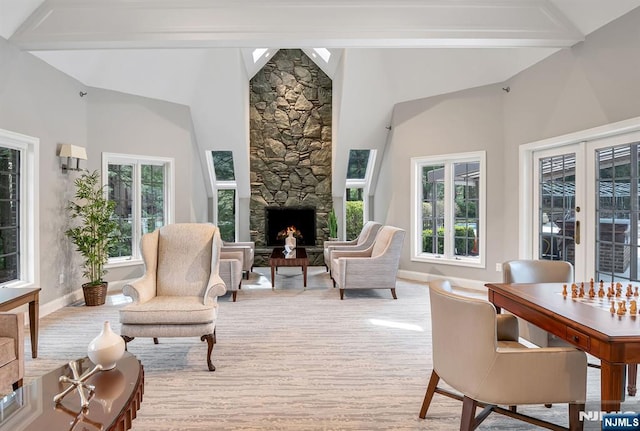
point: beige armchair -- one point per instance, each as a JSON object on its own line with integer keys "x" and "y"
{"x": 537, "y": 271}
{"x": 363, "y": 241}
{"x": 11, "y": 350}
{"x": 373, "y": 268}
{"x": 177, "y": 295}
{"x": 476, "y": 352}
{"x": 248, "y": 249}
{"x": 231, "y": 271}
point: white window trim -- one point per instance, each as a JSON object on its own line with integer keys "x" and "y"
{"x": 416, "y": 214}
{"x": 29, "y": 207}
{"x": 222, "y": 185}
{"x": 360, "y": 183}
{"x": 169, "y": 196}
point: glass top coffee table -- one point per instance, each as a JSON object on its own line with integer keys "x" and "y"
{"x": 113, "y": 406}
{"x": 297, "y": 257}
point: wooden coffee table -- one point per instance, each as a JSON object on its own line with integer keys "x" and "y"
{"x": 113, "y": 406}
{"x": 280, "y": 258}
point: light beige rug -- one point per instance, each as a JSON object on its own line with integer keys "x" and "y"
{"x": 289, "y": 359}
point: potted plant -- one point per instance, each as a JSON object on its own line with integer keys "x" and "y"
{"x": 94, "y": 233}
{"x": 333, "y": 225}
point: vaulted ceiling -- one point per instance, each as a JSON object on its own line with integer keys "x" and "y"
{"x": 172, "y": 49}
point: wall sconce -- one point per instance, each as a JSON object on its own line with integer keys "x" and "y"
{"x": 71, "y": 152}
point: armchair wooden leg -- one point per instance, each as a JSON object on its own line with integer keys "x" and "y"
{"x": 209, "y": 338}
{"x": 428, "y": 396}
{"x": 575, "y": 424}
{"x": 341, "y": 294}
{"x": 467, "y": 422}
{"x": 126, "y": 340}
{"x": 155, "y": 340}
{"x": 632, "y": 375}
{"x": 393, "y": 293}
{"x": 234, "y": 294}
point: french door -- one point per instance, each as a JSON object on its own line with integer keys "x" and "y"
{"x": 587, "y": 207}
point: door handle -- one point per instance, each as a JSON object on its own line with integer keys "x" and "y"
{"x": 577, "y": 234}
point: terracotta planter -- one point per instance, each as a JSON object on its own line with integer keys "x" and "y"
{"x": 96, "y": 294}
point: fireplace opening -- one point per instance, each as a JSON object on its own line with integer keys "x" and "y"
{"x": 278, "y": 219}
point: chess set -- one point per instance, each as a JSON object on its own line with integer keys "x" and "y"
{"x": 617, "y": 302}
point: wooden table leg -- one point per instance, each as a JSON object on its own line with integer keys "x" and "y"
{"x": 632, "y": 372}
{"x": 304, "y": 272}
{"x": 34, "y": 307}
{"x": 612, "y": 379}
{"x": 273, "y": 280}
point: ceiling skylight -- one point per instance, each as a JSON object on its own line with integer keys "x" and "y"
{"x": 257, "y": 53}
{"x": 323, "y": 53}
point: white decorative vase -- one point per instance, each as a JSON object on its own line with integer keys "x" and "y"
{"x": 106, "y": 348}
{"x": 290, "y": 241}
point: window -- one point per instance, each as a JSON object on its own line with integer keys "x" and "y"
{"x": 357, "y": 190}
{"x": 142, "y": 189}
{"x": 18, "y": 209}
{"x": 448, "y": 215}
{"x": 225, "y": 194}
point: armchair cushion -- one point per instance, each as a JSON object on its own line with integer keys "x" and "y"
{"x": 11, "y": 349}
{"x": 169, "y": 310}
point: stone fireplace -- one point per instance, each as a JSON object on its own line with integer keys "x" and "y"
{"x": 290, "y": 149}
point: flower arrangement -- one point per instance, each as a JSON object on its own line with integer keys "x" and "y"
{"x": 286, "y": 231}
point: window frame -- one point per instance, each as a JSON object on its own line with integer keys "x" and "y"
{"x": 448, "y": 258}
{"x": 29, "y": 251}
{"x": 169, "y": 197}
{"x": 359, "y": 183}
{"x": 223, "y": 185}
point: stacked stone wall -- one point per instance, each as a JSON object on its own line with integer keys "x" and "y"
{"x": 290, "y": 106}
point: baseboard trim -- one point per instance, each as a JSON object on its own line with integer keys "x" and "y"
{"x": 456, "y": 281}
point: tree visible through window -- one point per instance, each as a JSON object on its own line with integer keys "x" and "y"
{"x": 448, "y": 211}
{"x": 224, "y": 184}
{"x": 139, "y": 189}
{"x": 9, "y": 214}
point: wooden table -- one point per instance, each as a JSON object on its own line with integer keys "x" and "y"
{"x": 614, "y": 339}
{"x": 12, "y": 297}
{"x": 112, "y": 407}
{"x": 280, "y": 258}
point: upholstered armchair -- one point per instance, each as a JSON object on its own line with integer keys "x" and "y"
{"x": 363, "y": 241}
{"x": 477, "y": 353}
{"x": 177, "y": 295}
{"x": 537, "y": 271}
{"x": 373, "y": 268}
{"x": 231, "y": 270}
{"x": 11, "y": 350}
{"x": 248, "y": 248}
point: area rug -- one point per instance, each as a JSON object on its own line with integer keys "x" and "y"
{"x": 288, "y": 359}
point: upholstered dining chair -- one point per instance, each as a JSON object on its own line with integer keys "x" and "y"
{"x": 363, "y": 241}
{"x": 373, "y": 268}
{"x": 477, "y": 353}
{"x": 537, "y": 271}
{"x": 177, "y": 295}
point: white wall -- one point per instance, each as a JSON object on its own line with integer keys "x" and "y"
{"x": 38, "y": 100}
{"x": 466, "y": 121}
{"x": 591, "y": 84}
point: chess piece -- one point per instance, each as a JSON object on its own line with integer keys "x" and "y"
{"x": 574, "y": 293}
{"x": 600, "y": 292}
{"x": 618, "y": 289}
{"x": 629, "y": 291}
{"x": 581, "y": 291}
{"x": 621, "y": 310}
{"x": 635, "y": 293}
{"x": 564, "y": 290}
{"x": 592, "y": 292}
{"x": 633, "y": 308}
{"x": 613, "y": 307}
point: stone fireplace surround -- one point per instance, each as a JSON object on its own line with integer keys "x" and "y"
{"x": 290, "y": 113}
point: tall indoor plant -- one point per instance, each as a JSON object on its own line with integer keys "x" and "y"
{"x": 93, "y": 235}
{"x": 333, "y": 225}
